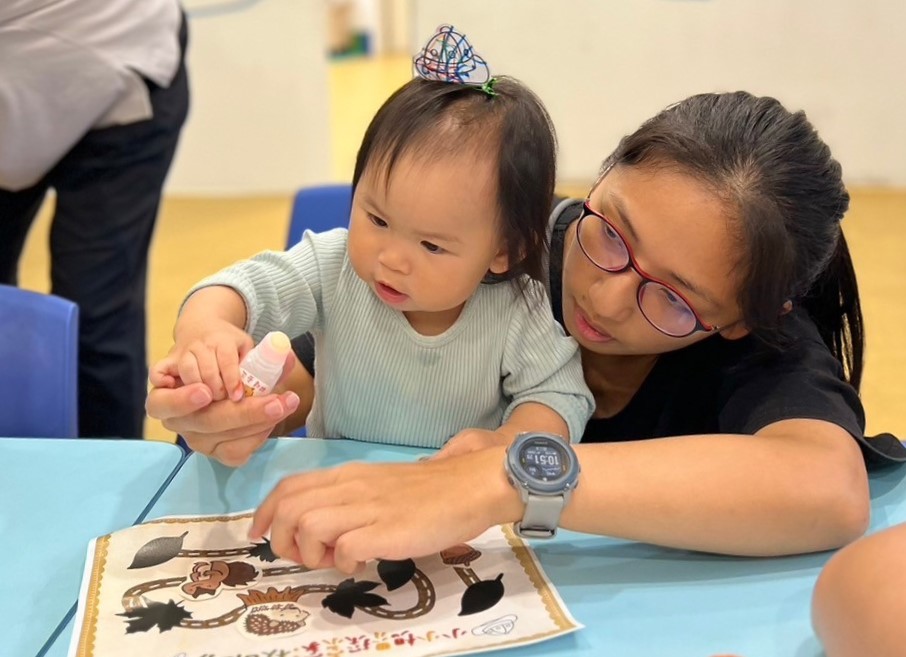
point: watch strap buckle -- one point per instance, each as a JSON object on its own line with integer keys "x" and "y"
{"x": 534, "y": 532}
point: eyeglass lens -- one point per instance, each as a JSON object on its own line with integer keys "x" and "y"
{"x": 668, "y": 312}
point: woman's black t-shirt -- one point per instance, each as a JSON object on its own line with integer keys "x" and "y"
{"x": 730, "y": 386}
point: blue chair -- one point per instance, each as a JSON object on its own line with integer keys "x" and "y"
{"x": 39, "y": 359}
{"x": 319, "y": 208}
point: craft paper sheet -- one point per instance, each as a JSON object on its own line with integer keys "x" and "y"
{"x": 197, "y": 587}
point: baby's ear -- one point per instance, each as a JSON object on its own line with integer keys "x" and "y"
{"x": 501, "y": 263}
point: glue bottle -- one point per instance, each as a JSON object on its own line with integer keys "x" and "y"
{"x": 262, "y": 366}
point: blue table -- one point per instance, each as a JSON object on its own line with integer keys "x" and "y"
{"x": 634, "y": 599}
{"x": 55, "y": 496}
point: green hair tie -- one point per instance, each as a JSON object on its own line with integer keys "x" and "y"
{"x": 488, "y": 87}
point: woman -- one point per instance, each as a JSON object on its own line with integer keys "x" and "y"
{"x": 708, "y": 284}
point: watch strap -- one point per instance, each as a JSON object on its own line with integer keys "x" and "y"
{"x": 542, "y": 515}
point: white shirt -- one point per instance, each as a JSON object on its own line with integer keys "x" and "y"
{"x": 67, "y": 66}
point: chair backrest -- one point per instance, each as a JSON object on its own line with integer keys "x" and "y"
{"x": 39, "y": 364}
{"x": 319, "y": 208}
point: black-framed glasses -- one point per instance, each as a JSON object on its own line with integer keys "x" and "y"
{"x": 665, "y": 308}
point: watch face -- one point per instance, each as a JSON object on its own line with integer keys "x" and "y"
{"x": 544, "y": 460}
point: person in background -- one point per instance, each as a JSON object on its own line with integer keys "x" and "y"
{"x": 93, "y": 97}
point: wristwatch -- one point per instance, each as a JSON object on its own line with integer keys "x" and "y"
{"x": 544, "y": 469}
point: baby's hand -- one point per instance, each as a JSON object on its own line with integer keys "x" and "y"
{"x": 471, "y": 440}
{"x": 212, "y": 357}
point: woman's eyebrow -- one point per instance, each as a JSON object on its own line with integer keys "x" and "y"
{"x": 625, "y": 219}
{"x": 695, "y": 289}
{"x": 618, "y": 205}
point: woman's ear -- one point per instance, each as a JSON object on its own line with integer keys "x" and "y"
{"x": 501, "y": 263}
{"x": 740, "y": 330}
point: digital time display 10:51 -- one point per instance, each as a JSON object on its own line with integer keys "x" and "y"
{"x": 543, "y": 461}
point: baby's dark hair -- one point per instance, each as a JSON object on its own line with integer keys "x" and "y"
{"x": 779, "y": 179}
{"x": 432, "y": 120}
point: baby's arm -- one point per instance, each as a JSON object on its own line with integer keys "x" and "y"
{"x": 534, "y": 416}
{"x": 530, "y": 416}
{"x": 541, "y": 376}
{"x": 273, "y": 290}
{"x": 542, "y": 373}
{"x": 208, "y": 341}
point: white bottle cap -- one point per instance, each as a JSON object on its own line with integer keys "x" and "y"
{"x": 274, "y": 347}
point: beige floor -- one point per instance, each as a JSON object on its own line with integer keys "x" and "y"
{"x": 192, "y": 239}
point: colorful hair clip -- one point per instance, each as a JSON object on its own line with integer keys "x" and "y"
{"x": 449, "y": 57}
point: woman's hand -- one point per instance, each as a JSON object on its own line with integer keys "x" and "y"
{"x": 225, "y": 430}
{"x": 353, "y": 513}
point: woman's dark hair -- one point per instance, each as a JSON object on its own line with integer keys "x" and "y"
{"x": 773, "y": 170}
{"x": 433, "y": 120}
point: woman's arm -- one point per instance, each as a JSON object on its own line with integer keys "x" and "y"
{"x": 798, "y": 486}
{"x": 859, "y": 603}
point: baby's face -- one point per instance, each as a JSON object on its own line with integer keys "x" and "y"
{"x": 425, "y": 240}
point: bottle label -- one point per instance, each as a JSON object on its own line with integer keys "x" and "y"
{"x": 252, "y": 384}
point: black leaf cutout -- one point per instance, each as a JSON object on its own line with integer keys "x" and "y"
{"x": 351, "y": 594}
{"x": 158, "y": 551}
{"x": 395, "y": 574}
{"x": 263, "y": 551}
{"x": 156, "y": 614}
{"x": 481, "y": 596}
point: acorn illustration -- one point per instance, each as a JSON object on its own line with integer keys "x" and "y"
{"x": 462, "y": 554}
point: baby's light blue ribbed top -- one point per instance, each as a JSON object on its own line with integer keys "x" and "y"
{"x": 379, "y": 380}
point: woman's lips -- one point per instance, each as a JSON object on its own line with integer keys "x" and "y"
{"x": 588, "y": 331}
{"x": 389, "y": 294}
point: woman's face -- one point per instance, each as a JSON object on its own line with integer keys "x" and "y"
{"x": 679, "y": 233}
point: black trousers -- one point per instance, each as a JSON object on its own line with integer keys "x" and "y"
{"x": 108, "y": 190}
